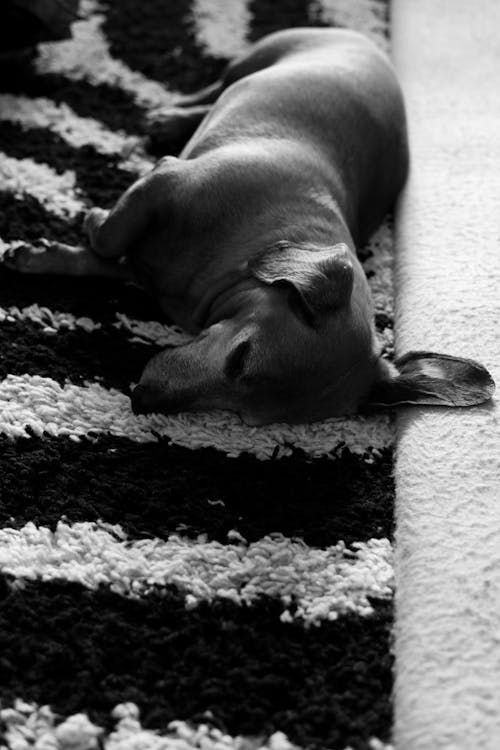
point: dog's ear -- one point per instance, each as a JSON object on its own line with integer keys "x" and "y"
{"x": 321, "y": 279}
{"x": 433, "y": 379}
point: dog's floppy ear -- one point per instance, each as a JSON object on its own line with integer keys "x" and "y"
{"x": 322, "y": 278}
{"x": 433, "y": 379}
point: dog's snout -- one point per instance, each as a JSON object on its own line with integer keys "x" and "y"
{"x": 144, "y": 399}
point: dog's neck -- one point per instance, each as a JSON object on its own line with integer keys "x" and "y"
{"x": 319, "y": 221}
{"x": 210, "y": 307}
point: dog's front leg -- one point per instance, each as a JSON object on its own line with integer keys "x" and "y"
{"x": 46, "y": 257}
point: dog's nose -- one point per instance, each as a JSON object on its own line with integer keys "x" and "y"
{"x": 144, "y": 400}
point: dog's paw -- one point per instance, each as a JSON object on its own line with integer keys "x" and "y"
{"x": 92, "y": 222}
{"x": 25, "y": 258}
{"x": 42, "y": 257}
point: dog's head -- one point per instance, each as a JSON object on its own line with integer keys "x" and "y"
{"x": 297, "y": 344}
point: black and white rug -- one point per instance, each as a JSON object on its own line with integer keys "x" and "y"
{"x": 169, "y": 582}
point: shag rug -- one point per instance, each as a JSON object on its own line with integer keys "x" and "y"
{"x": 169, "y": 582}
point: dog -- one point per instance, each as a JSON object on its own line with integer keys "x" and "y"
{"x": 248, "y": 239}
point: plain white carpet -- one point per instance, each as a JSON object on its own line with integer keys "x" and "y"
{"x": 447, "y": 54}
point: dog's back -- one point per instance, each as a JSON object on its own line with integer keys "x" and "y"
{"x": 331, "y": 93}
{"x": 300, "y": 147}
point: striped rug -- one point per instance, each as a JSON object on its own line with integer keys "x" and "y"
{"x": 169, "y": 582}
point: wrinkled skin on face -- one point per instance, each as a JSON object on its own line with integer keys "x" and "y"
{"x": 268, "y": 360}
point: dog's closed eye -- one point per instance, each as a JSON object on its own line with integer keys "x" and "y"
{"x": 235, "y": 363}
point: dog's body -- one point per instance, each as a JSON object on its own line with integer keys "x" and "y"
{"x": 248, "y": 239}
{"x": 295, "y": 148}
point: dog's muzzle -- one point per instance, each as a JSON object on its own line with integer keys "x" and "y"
{"x": 144, "y": 399}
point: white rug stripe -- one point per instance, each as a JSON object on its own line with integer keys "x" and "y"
{"x": 77, "y": 131}
{"x": 74, "y": 411}
{"x": 29, "y": 725}
{"x": 86, "y": 57}
{"x": 378, "y": 266}
{"x": 324, "y": 583}
{"x": 147, "y": 332}
{"x": 367, "y": 16}
{"x": 448, "y": 299}
{"x": 141, "y": 331}
{"x": 221, "y": 28}
{"x": 152, "y": 331}
{"x": 58, "y": 193}
{"x": 50, "y": 322}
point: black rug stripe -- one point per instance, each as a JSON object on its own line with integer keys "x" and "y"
{"x": 96, "y": 298}
{"x": 156, "y": 489}
{"x": 76, "y": 356}
{"x": 27, "y": 219}
{"x": 267, "y": 16}
{"x": 163, "y": 45}
{"x": 110, "y": 105}
{"x": 383, "y": 321}
{"x": 98, "y": 175}
{"x": 75, "y": 649}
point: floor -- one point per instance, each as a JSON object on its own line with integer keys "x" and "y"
{"x": 447, "y": 299}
